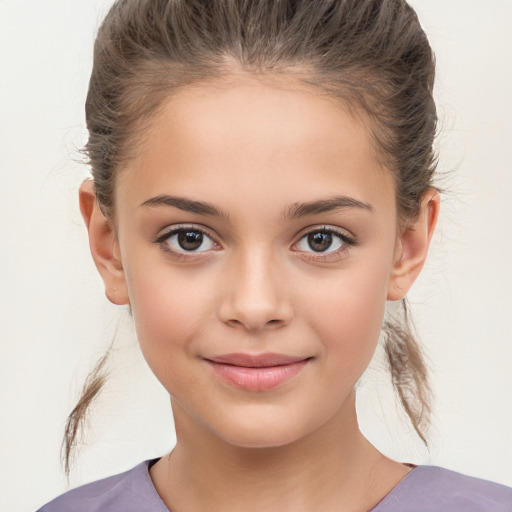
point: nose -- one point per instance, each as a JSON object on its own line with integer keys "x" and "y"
{"x": 253, "y": 295}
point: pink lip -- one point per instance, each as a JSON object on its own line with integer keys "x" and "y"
{"x": 256, "y": 372}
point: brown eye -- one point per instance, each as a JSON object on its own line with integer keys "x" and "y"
{"x": 190, "y": 240}
{"x": 187, "y": 240}
{"x": 326, "y": 241}
{"x": 320, "y": 241}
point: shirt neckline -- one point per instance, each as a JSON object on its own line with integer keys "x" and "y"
{"x": 394, "y": 490}
{"x": 146, "y": 466}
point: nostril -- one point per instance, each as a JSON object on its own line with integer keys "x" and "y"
{"x": 242, "y": 307}
{"x": 254, "y": 326}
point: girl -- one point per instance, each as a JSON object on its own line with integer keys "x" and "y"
{"x": 263, "y": 185}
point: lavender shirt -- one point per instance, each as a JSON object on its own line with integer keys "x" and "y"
{"x": 424, "y": 489}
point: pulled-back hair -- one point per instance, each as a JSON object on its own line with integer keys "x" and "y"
{"x": 371, "y": 54}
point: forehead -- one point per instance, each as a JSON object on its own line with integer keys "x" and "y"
{"x": 248, "y": 136}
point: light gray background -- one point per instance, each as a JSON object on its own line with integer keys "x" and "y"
{"x": 55, "y": 321}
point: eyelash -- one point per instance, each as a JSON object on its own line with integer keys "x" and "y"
{"x": 162, "y": 240}
{"x": 346, "y": 241}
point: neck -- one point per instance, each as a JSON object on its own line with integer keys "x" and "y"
{"x": 333, "y": 468}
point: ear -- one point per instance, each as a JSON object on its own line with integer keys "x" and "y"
{"x": 412, "y": 247}
{"x": 103, "y": 245}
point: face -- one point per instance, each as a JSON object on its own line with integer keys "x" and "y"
{"x": 257, "y": 233}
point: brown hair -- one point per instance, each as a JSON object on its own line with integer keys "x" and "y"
{"x": 371, "y": 54}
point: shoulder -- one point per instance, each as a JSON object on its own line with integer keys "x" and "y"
{"x": 131, "y": 491}
{"x": 428, "y": 488}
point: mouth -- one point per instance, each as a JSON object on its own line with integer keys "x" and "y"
{"x": 260, "y": 372}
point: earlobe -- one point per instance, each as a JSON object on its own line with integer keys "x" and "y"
{"x": 103, "y": 245}
{"x": 412, "y": 247}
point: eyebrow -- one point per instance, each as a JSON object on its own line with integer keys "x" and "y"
{"x": 295, "y": 211}
{"x": 186, "y": 205}
{"x": 298, "y": 210}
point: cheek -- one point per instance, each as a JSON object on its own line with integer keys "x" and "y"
{"x": 169, "y": 309}
{"x": 347, "y": 314}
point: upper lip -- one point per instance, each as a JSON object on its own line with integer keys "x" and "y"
{"x": 256, "y": 360}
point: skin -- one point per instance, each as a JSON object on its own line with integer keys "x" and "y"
{"x": 254, "y": 150}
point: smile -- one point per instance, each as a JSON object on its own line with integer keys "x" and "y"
{"x": 256, "y": 373}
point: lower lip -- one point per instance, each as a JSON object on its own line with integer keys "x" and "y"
{"x": 257, "y": 379}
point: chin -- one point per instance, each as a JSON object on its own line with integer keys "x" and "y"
{"x": 261, "y": 432}
{"x": 260, "y": 440}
